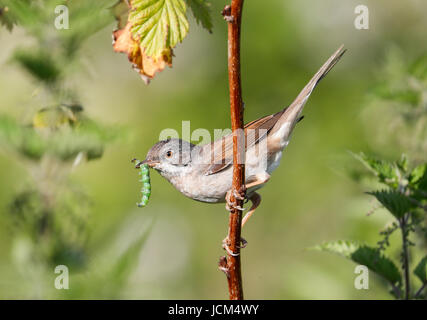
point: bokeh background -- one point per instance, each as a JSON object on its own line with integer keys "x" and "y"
{"x": 170, "y": 249}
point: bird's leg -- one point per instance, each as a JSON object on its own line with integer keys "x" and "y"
{"x": 239, "y": 195}
{"x": 255, "y": 198}
{"x": 260, "y": 179}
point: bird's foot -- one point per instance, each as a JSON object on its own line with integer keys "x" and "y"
{"x": 239, "y": 195}
{"x": 231, "y": 207}
{"x": 244, "y": 243}
{"x": 226, "y": 246}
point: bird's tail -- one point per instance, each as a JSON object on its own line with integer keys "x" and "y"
{"x": 292, "y": 113}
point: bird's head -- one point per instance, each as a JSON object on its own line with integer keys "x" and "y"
{"x": 170, "y": 157}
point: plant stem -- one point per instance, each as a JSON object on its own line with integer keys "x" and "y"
{"x": 405, "y": 256}
{"x": 231, "y": 265}
{"x": 420, "y": 290}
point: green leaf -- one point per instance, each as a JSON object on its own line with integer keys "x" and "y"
{"x": 403, "y": 163}
{"x": 344, "y": 248}
{"x": 158, "y": 25}
{"x": 395, "y": 202}
{"x": 364, "y": 255}
{"x": 385, "y": 171}
{"x": 418, "y": 177}
{"x": 406, "y": 95}
{"x": 378, "y": 263}
{"x": 421, "y": 270}
{"x": 64, "y": 142}
{"x": 202, "y": 12}
{"x": 38, "y": 63}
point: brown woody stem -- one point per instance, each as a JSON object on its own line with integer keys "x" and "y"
{"x": 231, "y": 264}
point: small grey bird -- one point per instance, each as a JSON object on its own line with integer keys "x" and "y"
{"x": 204, "y": 172}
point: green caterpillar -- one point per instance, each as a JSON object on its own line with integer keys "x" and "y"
{"x": 145, "y": 179}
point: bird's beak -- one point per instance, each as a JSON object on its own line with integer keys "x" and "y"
{"x": 148, "y": 162}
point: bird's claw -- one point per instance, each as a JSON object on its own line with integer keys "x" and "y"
{"x": 238, "y": 195}
{"x": 226, "y": 247}
{"x": 231, "y": 207}
{"x": 244, "y": 243}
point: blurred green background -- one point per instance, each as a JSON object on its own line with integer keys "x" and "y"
{"x": 311, "y": 197}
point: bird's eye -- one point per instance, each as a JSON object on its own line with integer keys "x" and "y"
{"x": 169, "y": 154}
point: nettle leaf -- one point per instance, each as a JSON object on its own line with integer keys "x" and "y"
{"x": 405, "y": 95}
{"x": 421, "y": 270}
{"x": 395, "y": 202}
{"x": 153, "y": 29}
{"x": 418, "y": 177}
{"x": 403, "y": 163}
{"x": 364, "y": 255}
{"x": 158, "y": 25}
{"x": 202, "y": 12}
{"x": 344, "y": 248}
{"x": 378, "y": 263}
{"x": 65, "y": 139}
{"x": 385, "y": 171}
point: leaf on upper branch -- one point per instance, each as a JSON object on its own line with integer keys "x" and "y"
{"x": 364, "y": 255}
{"x": 421, "y": 270}
{"x": 395, "y": 202}
{"x": 418, "y": 177}
{"x": 385, "y": 171}
{"x": 202, "y": 13}
{"x": 403, "y": 95}
{"x": 153, "y": 29}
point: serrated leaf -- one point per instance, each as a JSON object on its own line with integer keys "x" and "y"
{"x": 158, "y": 25}
{"x": 418, "y": 177}
{"x": 202, "y": 12}
{"x": 378, "y": 263}
{"x": 385, "y": 171}
{"x": 344, "y": 248}
{"x": 153, "y": 29}
{"x": 421, "y": 270}
{"x": 364, "y": 255}
{"x": 395, "y": 202}
{"x": 407, "y": 95}
{"x": 403, "y": 163}
{"x": 146, "y": 66}
{"x": 64, "y": 141}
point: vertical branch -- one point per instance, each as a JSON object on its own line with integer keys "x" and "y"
{"x": 405, "y": 255}
{"x": 231, "y": 264}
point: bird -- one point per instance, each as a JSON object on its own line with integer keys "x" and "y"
{"x": 204, "y": 172}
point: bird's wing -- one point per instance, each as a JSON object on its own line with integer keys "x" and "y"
{"x": 221, "y": 154}
{"x": 221, "y": 151}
